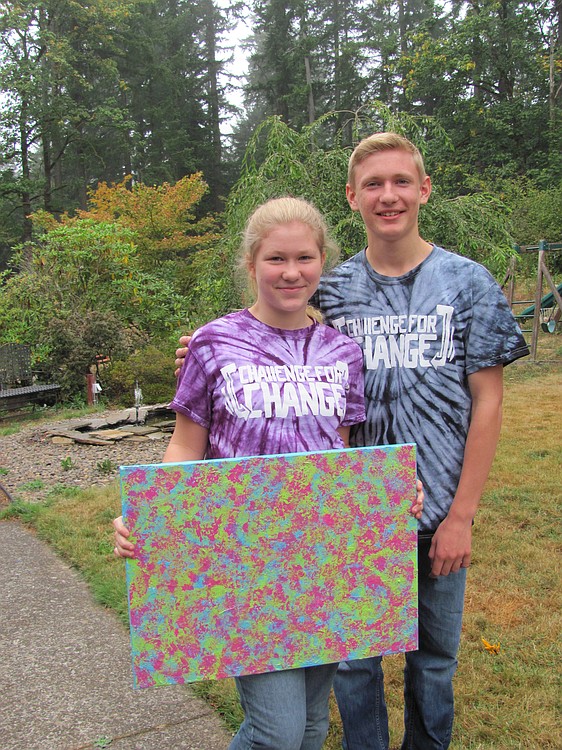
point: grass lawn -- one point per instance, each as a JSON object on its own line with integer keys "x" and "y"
{"x": 508, "y": 699}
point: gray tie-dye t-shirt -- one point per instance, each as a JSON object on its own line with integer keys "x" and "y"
{"x": 422, "y": 334}
{"x": 262, "y": 390}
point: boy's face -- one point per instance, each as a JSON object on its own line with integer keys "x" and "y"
{"x": 388, "y": 192}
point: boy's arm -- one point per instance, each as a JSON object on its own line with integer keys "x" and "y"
{"x": 343, "y": 432}
{"x": 452, "y": 542}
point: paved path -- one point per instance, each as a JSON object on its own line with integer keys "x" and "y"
{"x": 65, "y": 670}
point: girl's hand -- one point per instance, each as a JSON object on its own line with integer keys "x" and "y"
{"x": 417, "y": 508}
{"x": 123, "y": 547}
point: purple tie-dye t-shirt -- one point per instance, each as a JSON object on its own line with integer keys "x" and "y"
{"x": 262, "y": 390}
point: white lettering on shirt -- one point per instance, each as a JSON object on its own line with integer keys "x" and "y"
{"x": 266, "y": 391}
{"x": 408, "y": 341}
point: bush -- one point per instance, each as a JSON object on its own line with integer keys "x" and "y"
{"x": 536, "y": 215}
{"x": 151, "y": 367}
{"x": 74, "y": 344}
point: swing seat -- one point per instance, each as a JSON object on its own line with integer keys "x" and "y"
{"x": 549, "y": 326}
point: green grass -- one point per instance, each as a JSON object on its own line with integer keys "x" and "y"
{"x": 504, "y": 701}
{"x": 11, "y": 430}
{"x": 33, "y": 484}
{"x": 77, "y": 524}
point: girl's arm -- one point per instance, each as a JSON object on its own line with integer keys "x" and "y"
{"x": 343, "y": 432}
{"x": 188, "y": 443}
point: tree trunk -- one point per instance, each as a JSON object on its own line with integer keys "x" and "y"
{"x": 26, "y": 174}
{"x": 555, "y": 83}
{"x": 216, "y": 181}
{"x": 311, "y": 112}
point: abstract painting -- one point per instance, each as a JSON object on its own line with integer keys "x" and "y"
{"x": 264, "y": 563}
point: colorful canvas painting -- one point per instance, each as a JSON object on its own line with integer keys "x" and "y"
{"x": 257, "y": 564}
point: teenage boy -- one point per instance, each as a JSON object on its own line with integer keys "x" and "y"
{"x": 436, "y": 332}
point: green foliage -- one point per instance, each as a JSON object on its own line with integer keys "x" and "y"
{"x": 80, "y": 291}
{"x": 536, "y": 213}
{"x": 33, "y": 484}
{"x": 106, "y": 466}
{"x": 73, "y": 345}
{"x": 280, "y": 160}
{"x": 476, "y": 226}
{"x": 20, "y": 510}
{"x": 102, "y": 742}
{"x": 78, "y": 268}
{"x": 66, "y": 463}
{"x": 152, "y": 367}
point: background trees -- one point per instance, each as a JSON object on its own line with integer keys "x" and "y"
{"x": 59, "y": 77}
{"x": 106, "y": 282}
{"x": 490, "y": 71}
{"x": 95, "y": 91}
{"x": 116, "y": 132}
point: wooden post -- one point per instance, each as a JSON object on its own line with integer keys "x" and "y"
{"x": 90, "y": 392}
{"x": 511, "y": 285}
{"x": 552, "y": 285}
{"x": 538, "y": 296}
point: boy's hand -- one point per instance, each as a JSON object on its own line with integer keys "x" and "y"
{"x": 451, "y": 547}
{"x": 181, "y": 353}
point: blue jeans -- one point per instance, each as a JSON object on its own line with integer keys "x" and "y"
{"x": 428, "y": 674}
{"x": 285, "y": 710}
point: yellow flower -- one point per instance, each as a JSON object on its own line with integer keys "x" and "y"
{"x": 493, "y": 648}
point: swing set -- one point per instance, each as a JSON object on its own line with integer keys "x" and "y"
{"x": 544, "y": 311}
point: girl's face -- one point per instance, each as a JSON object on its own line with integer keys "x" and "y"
{"x": 286, "y": 269}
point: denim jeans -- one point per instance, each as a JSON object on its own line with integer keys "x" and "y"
{"x": 285, "y": 710}
{"x": 428, "y": 674}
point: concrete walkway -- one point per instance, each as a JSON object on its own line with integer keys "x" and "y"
{"x": 65, "y": 669}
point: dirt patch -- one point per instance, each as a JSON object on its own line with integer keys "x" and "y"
{"x": 33, "y": 462}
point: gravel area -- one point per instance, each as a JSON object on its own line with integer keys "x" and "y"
{"x": 31, "y": 464}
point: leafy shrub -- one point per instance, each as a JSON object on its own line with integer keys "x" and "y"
{"x": 73, "y": 345}
{"x": 154, "y": 370}
{"x": 536, "y": 215}
{"x": 81, "y": 270}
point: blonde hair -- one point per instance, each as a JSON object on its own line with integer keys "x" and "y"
{"x": 383, "y": 142}
{"x": 277, "y": 212}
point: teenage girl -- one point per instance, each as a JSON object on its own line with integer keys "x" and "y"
{"x": 272, "y": 379}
